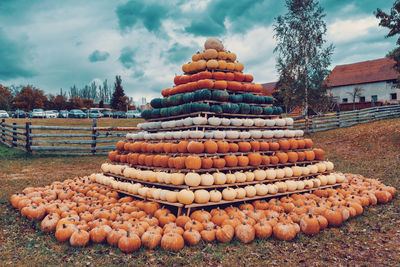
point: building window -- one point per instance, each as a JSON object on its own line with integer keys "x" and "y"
{"x": 374, "y": 98}
{"x": 344, "y": 100}
{"x": 393, "y": 96}
{"x": 362, "y": 98}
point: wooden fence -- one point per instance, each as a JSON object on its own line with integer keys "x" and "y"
{"x": 347, "y": 118}
{"x": 62, "y": 140}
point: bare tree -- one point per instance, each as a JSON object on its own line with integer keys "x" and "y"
{"x": 356, "y": 93}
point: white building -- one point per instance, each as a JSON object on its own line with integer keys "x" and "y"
{"x": 377, "y": 78}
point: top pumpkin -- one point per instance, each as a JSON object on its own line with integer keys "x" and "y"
{"x": 214, "y": 43}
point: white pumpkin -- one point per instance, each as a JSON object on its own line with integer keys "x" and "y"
{"x": 188, "y": 121}
{"x": 316, "y": 182}
{"x": 288, "y": 171}
{"x": 199, "y": 120}
{"x": 236, "y": 122}
{"x": 255, "y": 134}
{"x": 208, "y": 134}
{"x": 289, "y": 121}
{"x": 167, "y": 178}
{"x": 202, "y": 196}
{"x": 229, "y": 194}
{"x": 244, "y": 135}
{"x": 331, "y": 179}
{"x": 339, "y": 177}
{"x": 249, "y": 176}
{"x": 300, "y": 185}
{"x": 270, "y": 123}
{"x": 306, "y": 171}
{"x": 163, "y": 194}
{"x": 232, "y": 134}
{"x": 215, "y": 121}
{"x": 291, "y": 185}
{"x": 268, "y": 134}
{"x": 321, "y": 167}
{"x": 271, "y": 174}
{"x": 289, "y": 133}
{"x": 250, "y": 191}
{"x": 272, "y": 189}
{"x": 259, "y": 122}
{"x": 149, "y": 192}
{"x": 171, "y": 196}
{"x": 329, "y": 165}
{"x": 280, "y": 173}
{"x": 177, "y": 135}
{"x": 207, "y": 179}
{"x": 192, "y": 179}
{"x": 196, "y": 134}
{"x": 313, "y": 168}
{"x": 156, "y": 193}
{"x": 225, "y": 121}
{"x": 178, "y": 123}
{"x": 219, "y": 134}
{"x": 240, "y": 193}
{"x": 215, "y": 196}
{"x": 142, "y": 191}
{"x": 240, "y": 177}
{"x": 297, "y": 171}
{"x": 160, "y": 177}
{"x": 177, "y": 178}
{"x": 168, "y": 135}
{"x": 260, "y": 175}
{"x": 105, "y": 167}
{"x": 282, "y": 187}
{"x": 280, "y": 122}
{"x": 230, "y": 178}
{"x": 299, "y": 133}
{"x": 185, "y": 134}
{"x": 248, "y": 122}
{"x": 185, "y": 196}
{"x": 219, "y": 178}
{"x": 308, "y": 184}
{"x": 279, "y": 134}
{"x": 261, "y": 189}
{"x": 323, "y": 179}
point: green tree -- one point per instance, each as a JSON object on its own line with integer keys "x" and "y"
{"x": 392, "y": 22}
{"x": 118, "y": 100}
{"x": 303, "y": 58}
{"x": 5, "y": 98}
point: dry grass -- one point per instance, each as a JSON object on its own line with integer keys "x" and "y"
{"x": 371, "y": 239}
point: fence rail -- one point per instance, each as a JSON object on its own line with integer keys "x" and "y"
{"x": 72, "y": 141}
{"x": 347, "y": 118}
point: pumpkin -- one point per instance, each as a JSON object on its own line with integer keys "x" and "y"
{"x": 193, "y": 162}
{"x": 284, "y": 144}
{"x": 98, "y": 234}
{"x": 206, "y": 179}
{"x": 191, "y": 237}
{"x": 172, "y": 241}
{"x": 210, "y": 54}
{"x": 233, "y": 147}
{"x": 219, "y": 178}
{"x": 151, "y": 239}
{"x": 333, "y": 216}
{"x": 245, "y": 233}
{"x": 309, "y": 224}
{"x": 192, "y": 179}
{"x": 225, "y": 233}
{"x": 129, "y": 243}
{"x": 229, "y": 194}
{"x": 79, "y": 238}
{"x": 231, "y": 160}
{"x": 293, "y": 157}
{"x": 244, "y": 146}
{"x": 254, "y": 159}
{"x": 208, "y": 235}
{"x": 210, "y": 147}
{"x": 223, "y": 146}
{"x": 282, "y": 156}
{"x": 206, "y": 163}
{"x": 114, "y": 235}
{"x": 219, "y": 163}
{"x": 263, "y": 229}
{"x": 284, "y": 231}
{"x": 64, "y": 232}
{"x": 201, "y": 196}
{"x": 212, "y": 64}
{"x": 308, "y": 143}
{"x": 273, "y": 146}
{"x": 215, "y": 196}
{"x": 195, "y": 147}
{"x": 220, "y": 84}
{"x": 214, "y": 43}
{"x": 185, "y": 196}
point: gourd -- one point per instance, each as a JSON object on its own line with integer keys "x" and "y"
{"x": 215, "y": 196}
{"x": 219, "y": 178}
{"x": 250, "y": 191}
{"x": 240, "y": 193}
{"x": 261, "y": 189}
{"x": 260, "y": 175}
{"x": 207, "y": 179}
{"x": 185, "y": 196}
{"x": 192, "y": 179}
{"x": 202, "y": 196}
{"x": 229, "y": 194}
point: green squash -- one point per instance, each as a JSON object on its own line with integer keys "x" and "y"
{"x": 156, "y": 103}
{"x": 216, "y": 109}
{"x": 244, "y": 108}
{"x": 268, "y": 111}
{"x": 203, "y": 94}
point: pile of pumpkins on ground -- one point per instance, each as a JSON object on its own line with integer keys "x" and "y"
{"x": 81, "y": 211}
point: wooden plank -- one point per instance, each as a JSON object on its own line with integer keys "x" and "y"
{"x": 207, "y": 126}
{"x": 150, "y": 199}
{"x": 115, "y": 128}
{"x": 60, "y": 135}
{"x": 225, "y": 139}
{"x": 225, "y": 168}
{"x": 41, "y": 127}
{"x": 222, "y": 202}
{"x": 213, "y": 114}
{"x": 110, "y": 135}
{"x": 13, "y": 131}
{"x": 214, "y": 186}
{"x": 14, "y": 126}
{"x": 68, "y": 148}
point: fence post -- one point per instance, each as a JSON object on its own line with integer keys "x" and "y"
{"x": 311, "y": 126}
{"x": 28, "y": 137}
{"x": 3, "y": 121}
{"x": 338, "y": 118}
{"x": 14, "y": 140}
{"x": 357, "y": 114}
{"x": 94, "y": 137}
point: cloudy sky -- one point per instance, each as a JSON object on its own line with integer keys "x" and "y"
{"x": 54, "y": 44}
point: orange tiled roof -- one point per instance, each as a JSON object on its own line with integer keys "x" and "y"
{"x": 362, "y": 72}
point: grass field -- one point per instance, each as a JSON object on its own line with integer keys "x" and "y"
{"x": 373, "y": 238}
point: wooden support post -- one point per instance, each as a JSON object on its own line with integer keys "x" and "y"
{"x": 3, "y": 121}
{"x": 94, "y": 137}
{"x": 28, "y": 137}
{"x": 357, "y": 114}
{"x": 14, "y": 139}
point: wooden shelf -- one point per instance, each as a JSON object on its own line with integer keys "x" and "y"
{"x": 206, "y": 113}
{"x": 225, "y": 168}
{"x": 214, "y": 127}
{"x": 214, "y": 186}
{"x": 207, "y": 139}
{"x": 151, "y": 199}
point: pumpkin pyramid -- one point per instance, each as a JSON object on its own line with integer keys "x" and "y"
{"x": 214, "y": 138}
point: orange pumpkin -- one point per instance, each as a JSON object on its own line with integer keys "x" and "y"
{"x": 164, "y": 161}
{"x": 284, "y": 144}
{"x": 243, "y": 161}
{"x": 308, "y": 143}
{"x": 148, "y": 160}
{"x": 309, "y": 155}
{"x": 231, "y": 160}
{"x": 141, "y": 159}
{"x": 248, "y": 78}
{"x": 112, "y": 154}
{"x": 301, "y": 143}
{"x": 293, "y": 144}
{"x": 319, "y": 154}
{"x": 120, "y": 145}
{"x": 223, "y": 146}
{"x": 220, "y": 85}
{"x": 233, "y": 147}
{"x": 244, "y": 146}
{"x": 254, "y": 159}
{"x": 182, "y": 146}
{"x": 167, "y": 147}
{"x": 205, "y": 84}
{"x": 302, "y": 156}
{"x": 273, "y": 160}
{"x": 193, "y": 162}
{"x": 206, "y": 163}
{"x": 255, "y": 145}
{"x": 293, "y": 157}
{"x": 265, "y": 160}
{"x": 264, "y": 146}
{"x": 218, "y": 75}
{"x": 210, "y": 147}
{"x": 174, "y": 148}
{"x": 273, "y": 146}
{"x": 195, "y": 147}
{"x": 219, "y": 163}
{"x": 282, "y": 156}
{"x": 179, "y": 162}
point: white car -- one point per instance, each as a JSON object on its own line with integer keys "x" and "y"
{"x": 49, "y": 114}
{"x": 37, "y": 113}
{"x": 3, "y": 114}
{"x": 133, "y": 114}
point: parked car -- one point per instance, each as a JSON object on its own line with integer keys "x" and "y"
{"x": 107, "y": 114}
{"x": 133, "y": 114}
{"x": 93, "y": 114}
{"x": 55, "y": 112}
{"x": 119, "y": 114}
{"x": 76, "y": 113}
{"x": 4, "y": 114}
{"x": 19, "y": 114}
{"x": 63, "y": 114}
{"x": 49, "y": 114}
{"x": 37, "y": 113}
